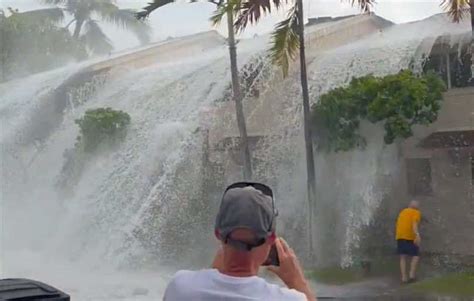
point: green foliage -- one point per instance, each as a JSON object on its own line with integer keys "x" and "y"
{"x": 250, "y": 12}
{"x": 99, "y": 129}
{"x": 399, "y": 101}
{"x": 223, "y": 10}
{"x": 285, "y": 41}
{"x": 103, "y": 125}
{"x": 36, "y": 40}
{"x": 87, "y": 28}
{"x": 33, "y": 42}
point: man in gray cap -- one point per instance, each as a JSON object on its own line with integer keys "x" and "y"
{"x": 245, "y": 225}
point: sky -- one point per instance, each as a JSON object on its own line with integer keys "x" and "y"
{"x": 181, "y": 18}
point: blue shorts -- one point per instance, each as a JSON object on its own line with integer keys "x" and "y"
{"x": 407, "y": 247}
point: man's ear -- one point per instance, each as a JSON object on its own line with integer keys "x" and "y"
{"x": 217, "y": 234}
{"x": 272, "y": 238}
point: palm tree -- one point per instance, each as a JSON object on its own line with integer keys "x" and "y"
{"x": 457, "y": 10}
{"x": 287, "y": 39}
{"x": 236, "y": 90}
{"x": 87, "y": 28}
{"x": 34, "y": 41}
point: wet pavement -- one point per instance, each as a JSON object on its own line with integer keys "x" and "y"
{"x": 377, "y": 289}
{"x": 373, "y": 289}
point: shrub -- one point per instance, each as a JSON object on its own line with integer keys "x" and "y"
{"x": 102, "y": 126}
{"x": 399, "y": 101}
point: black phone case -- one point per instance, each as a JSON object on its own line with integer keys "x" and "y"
{"x": 272, "y": 257}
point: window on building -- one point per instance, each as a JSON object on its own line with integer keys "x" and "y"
{"x": 451, "y": 61}
{"x": 419, "y": 176}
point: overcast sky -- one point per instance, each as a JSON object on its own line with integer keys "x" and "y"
{"x": 181, "y": 18}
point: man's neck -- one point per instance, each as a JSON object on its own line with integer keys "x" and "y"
{"x": 237, "y": 266}
{"x": 238, "y": 272}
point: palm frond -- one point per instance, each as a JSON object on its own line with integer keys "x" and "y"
{"x": 231, "y": 6}
{"x": 456, "y": 9}
{"x": 106, "y": 9}
{"x": 95, "y": 39}
{"x": 140, "y": 28}
{"x": 126, "y": 19}
{"x": 363, "y": 5}
{"x": 250, "y": 11}
{"x": 147, "y": 10}
{"x": 82, "y": 10}
{"x": 285, "y": 41}
{"x": 219, "y": 14}
{"x": 54, "y": 15}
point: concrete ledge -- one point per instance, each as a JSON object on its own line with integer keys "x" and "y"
{"x": 139, "y": 58}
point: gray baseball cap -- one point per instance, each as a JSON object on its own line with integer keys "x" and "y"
{"x": 250, "y": 206}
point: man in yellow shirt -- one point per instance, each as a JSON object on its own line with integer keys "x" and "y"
{"x": 408, "y": 240}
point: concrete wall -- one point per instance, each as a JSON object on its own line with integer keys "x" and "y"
{"x": 333, "y": 34}
{"x": 163, "y": 51}
{"x": 264, "y": 113}
{"x": 457, "y": 111}
{"x": 449, "y": 211}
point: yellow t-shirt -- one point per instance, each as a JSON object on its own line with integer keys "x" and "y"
{"x": 405, "y": 221}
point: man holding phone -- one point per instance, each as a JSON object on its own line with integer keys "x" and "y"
{"x": 245, "y": 226}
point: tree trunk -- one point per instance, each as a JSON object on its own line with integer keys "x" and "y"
{"x": 311, "y": 176}
{"x": 77, "y": 28}
{"x": 471, "y": 3}
{"x": 237, "y": 96}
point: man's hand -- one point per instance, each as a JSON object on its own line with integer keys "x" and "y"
{"x": 417, "y": 240}
{"x": 290, "y": 271}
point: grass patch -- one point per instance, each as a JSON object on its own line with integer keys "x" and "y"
{"x": 455, "y": 284}
{"x": 385, "y": 267}
{"x": 334, "y": 275}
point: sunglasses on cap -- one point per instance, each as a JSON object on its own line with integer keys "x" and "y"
{"x": 260, "y": 187}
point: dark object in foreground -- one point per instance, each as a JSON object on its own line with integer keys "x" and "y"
{"x": 272, "y": 258}
{"x": 26, "y": 290}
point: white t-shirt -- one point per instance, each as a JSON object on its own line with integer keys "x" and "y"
{"x": 210, "y": 285}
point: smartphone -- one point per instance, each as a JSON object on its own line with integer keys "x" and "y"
{"x": 272, "y": 257}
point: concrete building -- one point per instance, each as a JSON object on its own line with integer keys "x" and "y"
{"x": 438, "y": 170}
{"x": 436, "y": 165}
